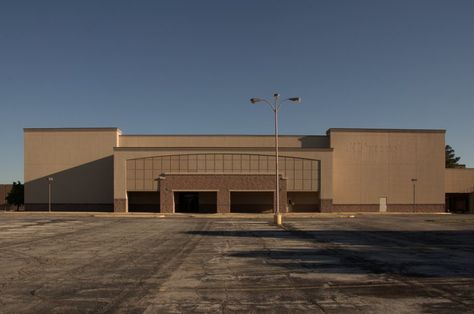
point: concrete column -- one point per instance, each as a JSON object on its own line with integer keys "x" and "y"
{"x": 166, "y": 198}
{"x": 120, "y": 205}
{"x": 223, "y": 201}
{"x": 471, "y": 202}
{"x": 326, "y": 205}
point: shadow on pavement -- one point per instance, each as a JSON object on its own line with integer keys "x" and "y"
{"x": 404, "y": 253}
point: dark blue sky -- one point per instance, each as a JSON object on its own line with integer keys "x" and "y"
{"x": 191, "y": 66}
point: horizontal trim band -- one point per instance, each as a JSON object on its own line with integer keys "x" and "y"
{"x": 255, "y": 149}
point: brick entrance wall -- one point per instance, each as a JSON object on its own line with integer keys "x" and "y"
{"x": 4, "y": 191}
{"x": 223, "y": 184}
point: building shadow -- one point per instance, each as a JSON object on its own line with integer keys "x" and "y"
{"x": 416, "y": 254}
{"x": 314, "y": 141}
{"x": 88, "y": 187}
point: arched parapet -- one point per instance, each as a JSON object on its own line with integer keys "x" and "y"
{"x": 302, "y": 174}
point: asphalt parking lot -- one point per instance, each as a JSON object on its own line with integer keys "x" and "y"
{"x": 330, "y": 264}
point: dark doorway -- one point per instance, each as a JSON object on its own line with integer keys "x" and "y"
{"x": 144, "y": 202}
{"x": 303, "y": 202}
{"x": 188, "y": 202}
{"x": 457, "y": 202}
{"x": 251, "y": 202}
{"x": 195, "y": 202}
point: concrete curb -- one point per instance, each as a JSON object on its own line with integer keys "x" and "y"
{"x": 211, "y": 216}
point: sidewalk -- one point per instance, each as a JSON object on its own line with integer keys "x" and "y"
{"x": 312, "y": 215}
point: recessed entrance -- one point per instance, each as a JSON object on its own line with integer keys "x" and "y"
{"x": 251, "y": 202}
{"x": 195, "y": 202}
{"x": 303, "y": 202}
{"x": 144, "y": 202}
{"x": 457, "y": 202}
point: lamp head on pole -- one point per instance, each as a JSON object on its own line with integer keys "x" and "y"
{"x": 295, "y": 99}
{"x": 255, "y": 100}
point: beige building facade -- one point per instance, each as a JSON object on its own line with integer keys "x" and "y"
{"x": 101, "y": 169}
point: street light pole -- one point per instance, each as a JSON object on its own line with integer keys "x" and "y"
{"x": 414, "y": 193}
{"x": 50, "y": 181}
{"x": 277, "y": 169}
{"x": 275, "y": 106}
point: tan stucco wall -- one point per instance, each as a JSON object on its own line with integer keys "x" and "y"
{"x": 372, "y": 164}
{"x": 79, "y": 160}
{"x": 459, "y": 180}
{"x": 356, "y": 167}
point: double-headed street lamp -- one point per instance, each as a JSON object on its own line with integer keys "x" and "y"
{"x": 275, "y": 105}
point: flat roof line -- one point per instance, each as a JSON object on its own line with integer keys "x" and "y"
{"x": 386, "y": 130}
{"x": 70, "y": 129}
{"x": 223, "y": 135}
{"x": 85, "y": 129}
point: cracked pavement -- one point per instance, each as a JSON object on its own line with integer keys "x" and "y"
{"x": 367, "y": 264}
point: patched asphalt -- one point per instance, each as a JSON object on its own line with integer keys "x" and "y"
{"x": 326, "y": 264}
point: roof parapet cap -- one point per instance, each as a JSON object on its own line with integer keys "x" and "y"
{"x": 105, "y": 129}
{"x": 385, "y": 130}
